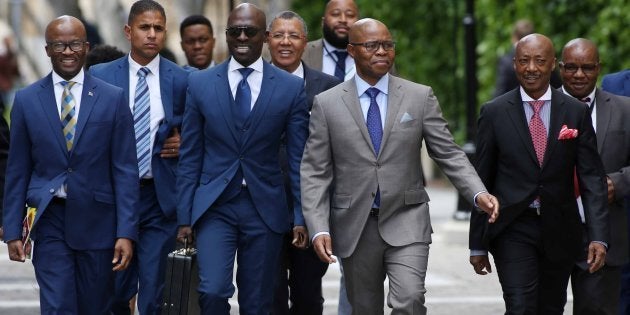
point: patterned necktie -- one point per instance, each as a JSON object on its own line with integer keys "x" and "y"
{"x": 587, "y": 101}
{"x": 340, "y": 64}
{"x": 375, "y": 129}
{"x": 68, "y": 118}
{"x": 538, "y": 131}
{"x": 243, "y": 98}
{"x": 142, "y": 118}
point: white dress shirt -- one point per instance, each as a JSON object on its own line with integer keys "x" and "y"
{"x": 329, "y": 61}
{"x": 254, "y": 79}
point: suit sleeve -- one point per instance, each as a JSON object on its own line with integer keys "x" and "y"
{"x": 296, "y": 132}
{"x": 125, "y": 171}
{"x": 316, "y": 173}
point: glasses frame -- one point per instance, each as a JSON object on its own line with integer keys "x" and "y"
{"x": 379, "y": 43}
{"x": 587, "y": 71}
{"x": 250, "y": 31}
{"x": 78, "y": 46}
{"x": 277, "y": 36}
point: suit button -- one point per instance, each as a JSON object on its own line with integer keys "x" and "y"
{"x": 225, "y": 180}
{"x": 241, "y": 157}
{"x": 378, "y": 165}
{"x": 373, "y": 194}
{"x": 70, "y": 170}
{"x": 52, "y": 191}
{"x": 244, "y": 130}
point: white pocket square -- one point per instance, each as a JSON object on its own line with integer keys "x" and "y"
{"x": 405, "y": 118}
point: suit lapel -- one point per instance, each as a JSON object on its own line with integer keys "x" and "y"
{"x": 49, "y": 105}
{"x": 222, "y": 87}
{"x": 604, "y": 113}
{"x": 519, "y": 121}
{"x": 121, "y": 77}
{"x": 166, "y": 89}
{"x": 88, "y": 99}
{"x": 351, "y": 100}
{"x": 394, "y": 100}
{"x": 267, "y": 88}
{"x": 555, "y": 122}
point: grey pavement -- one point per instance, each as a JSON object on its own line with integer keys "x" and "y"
{"x": 452, "y": 286}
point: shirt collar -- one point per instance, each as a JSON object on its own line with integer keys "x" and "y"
{"x": 382, "y": 84}
{"x": 299, "y": 71}
{"x": 234, "y": 65}
{"x": 153, "y": 65}
{"x": 544, "y": 97}
{"x": 590, "y": 95}
{"x": 328, "y": 48}
{"x": 77, "y": 78}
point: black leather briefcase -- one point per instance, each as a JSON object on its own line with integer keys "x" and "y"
{"x": 181, "y": 282}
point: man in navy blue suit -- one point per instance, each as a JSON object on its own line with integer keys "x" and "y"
{"x": 71, "y": 157}
{"x": 230, "y": 185}
{"x": 157, "y": 158}
{"x": 286, "y": 39}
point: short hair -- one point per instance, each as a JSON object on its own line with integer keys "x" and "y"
{"x": 142, "y": 6}
{"x": 102, "y": 54}
{"x": 288, "y": 15}
{"x": 194, "y": 20}
{"x": 523, "y": 28}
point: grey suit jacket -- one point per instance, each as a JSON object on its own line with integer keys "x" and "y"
{"x": 314, "y": 54}
{"x": 613, "y": 144}
{"x": 340, "y": 173}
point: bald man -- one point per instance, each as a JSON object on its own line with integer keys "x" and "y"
{"x": 365, "y": 137}
{"x": 529, "y": 143}
{"x": 598, "y": 293}
{"x": 72, "y": 157}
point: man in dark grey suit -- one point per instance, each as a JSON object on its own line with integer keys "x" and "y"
{"x": 362, "y": 184}
{"x": 598, "y": 293}
{"x": 286, "y": 39}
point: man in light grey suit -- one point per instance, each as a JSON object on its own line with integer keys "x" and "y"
{"x": 598, "y": 292}
{"x": 361, "y": 177}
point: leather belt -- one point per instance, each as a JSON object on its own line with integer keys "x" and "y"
{"x": 146, "y": 182}
{"x": 374, "y": 212}
{"x": 58, "y": 201}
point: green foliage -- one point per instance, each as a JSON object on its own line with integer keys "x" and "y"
{"x": 429, "y": 38}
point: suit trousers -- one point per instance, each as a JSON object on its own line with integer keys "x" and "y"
{"x": 372, "y": 260}
{"x": 145, "y": 274}
{"x": 531, "y": 283}
{"x": 305, "y": 271}
{"x": 596, "y": 293}
{"x": 70, "y": 281}
{"x": 236, "y": 229}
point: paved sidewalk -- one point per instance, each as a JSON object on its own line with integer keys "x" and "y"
{"x": 452, "y": 285}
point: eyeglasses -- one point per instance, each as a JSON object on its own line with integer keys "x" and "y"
{"x": 374, "y": 45}
{"x": 291, "y": 36}
{"x": 235, "y": 31}
{"x": 61, "y": 47}
{"x": 572, "y": 68}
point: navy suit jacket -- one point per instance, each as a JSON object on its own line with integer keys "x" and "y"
{"x": 213, "y": 149}
{"x": 100, "y": 172}
{"x": 173, "y": 81}
{"x": 617, "y": 83}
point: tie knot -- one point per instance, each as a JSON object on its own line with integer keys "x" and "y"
{"x": 372, "y": 92}
{"x": 245, "y": 72}
{"x": 586, "y": 100}
{"x": 536, "y": 105}
{"x": 341, "y": 55}
{"x": 142, "y": 72}
{"x": 67, "y": 84}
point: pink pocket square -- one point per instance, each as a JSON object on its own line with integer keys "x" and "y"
{"x": 566, "y": 133}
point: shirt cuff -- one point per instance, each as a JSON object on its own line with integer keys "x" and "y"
{"x": 603, "y": 243}
{"x": 475, "y": 198}
{"x": 318, "y": 234}
{"x": 478, "y": 252}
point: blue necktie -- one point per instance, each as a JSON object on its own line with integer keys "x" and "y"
{"x": 68, "y": 118}
{"x": 243, "y": 98}
{"x": 375, "y": 129}
{"x": 340, "y": 64}
{"x": 142, "y": 118}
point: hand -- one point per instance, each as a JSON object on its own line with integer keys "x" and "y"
{"x": 489, "y": 204}
{"x": 596, "y": 256}
{"x": 300, "y": 237}
{"x": 170, "y": 149}
{"x": 184, "y": 232}
{"x": 322, "y": 245}
{"x": 16, "y": 250}
{"x": 480, "y": 263}
{"x": 123, "y": 253}
{"x": 611, "y": 190}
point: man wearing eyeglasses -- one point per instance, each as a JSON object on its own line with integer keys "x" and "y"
{"x": 72, "y": 158}
{"x": 230, "y": 184}
{"x": 197, "y": 41}
{"x": 156, "y": 92}
{"x": 286, "y": 39}
{"x": 363, "y": 193}
{"x": 598, "y": 292}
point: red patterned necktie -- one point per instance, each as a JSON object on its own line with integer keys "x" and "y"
{"x": 538, "y": 131}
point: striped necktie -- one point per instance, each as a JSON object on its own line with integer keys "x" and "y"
{"x": 68, "y": 117}
{"x": 141, "y": 118}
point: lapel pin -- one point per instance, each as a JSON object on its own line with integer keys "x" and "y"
{"x": 90, "y": 93}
